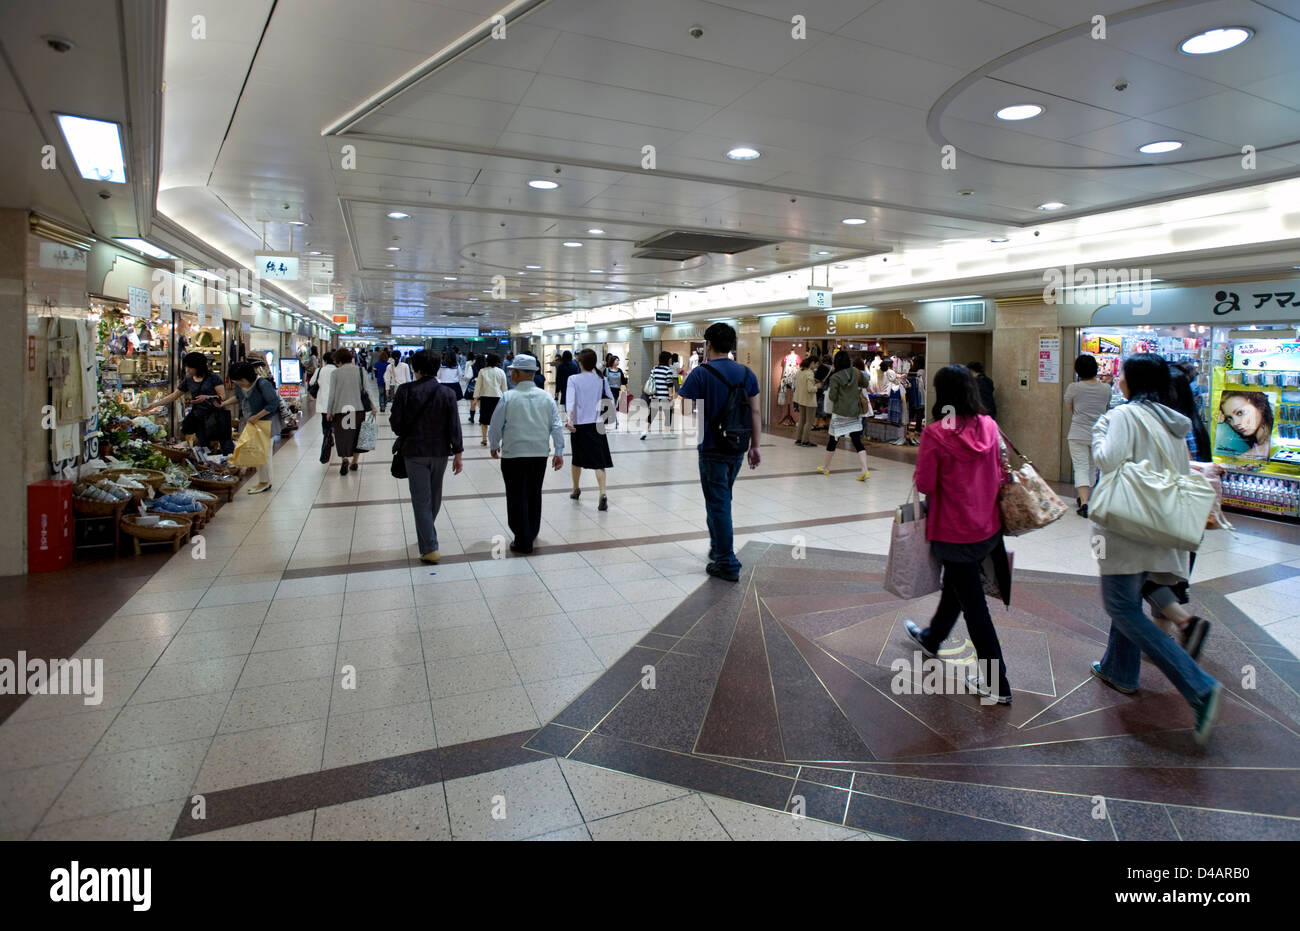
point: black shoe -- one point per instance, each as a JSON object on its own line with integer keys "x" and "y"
{"x": 575, "y": 494}
{"x": 523, "y": 551}
{"x": 1194, "y": 636}
{"x": 1082, "y": 510}
{"x": 604, "y": 504}
{"x": 718, "y": 572}
{"x": 343, "y": 469}
{"x": 352, "y": 466}
{"x": 918, "y": 635}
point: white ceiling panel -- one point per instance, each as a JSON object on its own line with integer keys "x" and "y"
{"x": 961, "y": 35}
{"x": 1282, "y": 89}
{"x": 1235, "y": 119}
{"x": 821, "y": 105}
{"x": 1062, "y": 118}
{"x": 622, "y": 64}
{"x": 823, "y": 15}
{"x": 623, "y": 134}
{"x": 475, "y": 79}
{"x": 475, "y": 113}
{"x": 1123, "y": 139}
{"x": 859, "y": 68}
{"x": 419, "y": 28}
{"x": 601, "y": 101}
{"x": 529, "y": 44}
{"x": 419, "y": 131}
{"x": 1063, "y": 13}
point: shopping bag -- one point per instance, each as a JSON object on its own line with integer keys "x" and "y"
{"x": 253, "y": 448}
{"x": 368, "y": 439}
{"x": 1025, "y": 501}
{"x": 912, "y": 570}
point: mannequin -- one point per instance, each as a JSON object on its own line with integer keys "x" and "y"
{"x": 785, "y": 396}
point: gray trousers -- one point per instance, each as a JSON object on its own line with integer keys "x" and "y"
{"x": 425, "y": 474}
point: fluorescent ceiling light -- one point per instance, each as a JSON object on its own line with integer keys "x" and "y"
{"x": 572, "y": 244}
{"x": 202, "y": 273}
{"x": 532, "y": 266}
{"x": 595, "y": 271}
{"x": 1108, "y": 285}
{"x": 596, "y": 232}
{"x": 450, "y": 278}
{"x": 96, "y": 147}
{"x": 314, "y": 252}
{"x": 749, "y": 268}
{"x": 148, "y": 248}
{"x": 539, "y": 184}
{"x": 398, "y": 215}
{"x": 999, "y": 239}
{"x": 394, "y": 248}
{"x": 841, "y": 266}
{"x": 933, "y": 300}
{"x": 1158, "y": 148}
{"x": 1215, "y": 40}
{"x": 853, "y": 221}
{"x": 1019, "y": 111}
{"x": 1051, "y": 205}
{"x": 297, "y": 223}
{"x": 743, "y": 153}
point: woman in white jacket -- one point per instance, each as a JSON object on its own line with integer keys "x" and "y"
{"x": 321, "y": 379}
{"x": 1143, "y": 428}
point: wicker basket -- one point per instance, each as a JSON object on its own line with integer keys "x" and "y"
{"x": 173, "y": 535}
{"x": 172, "y": 453}
{"x": 89, "y": 507}
{"x": 151, "y": 476}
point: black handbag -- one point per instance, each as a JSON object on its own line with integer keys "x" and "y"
{"x": 398, "y": 468}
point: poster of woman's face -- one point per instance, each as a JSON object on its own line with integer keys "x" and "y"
{"x": 1248, "y": 417}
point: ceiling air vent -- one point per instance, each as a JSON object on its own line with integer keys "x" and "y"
{"x": 967, "y": 313}
{"x": 681, "y": 245}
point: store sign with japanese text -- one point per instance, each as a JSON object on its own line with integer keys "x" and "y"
{"x": 1241, "y": 302}
{"x": 276, "y": 266}
{"x": 852, "y": 323}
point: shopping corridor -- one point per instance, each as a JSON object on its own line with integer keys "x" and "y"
{"x": 493, "y": 675}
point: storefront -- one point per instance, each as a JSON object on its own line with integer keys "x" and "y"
{"x": 861, "y": 334}
{"x": 1240, "y": 343}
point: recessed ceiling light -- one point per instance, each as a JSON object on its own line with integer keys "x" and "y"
{"x": 297, "y": 223}
{"x": 596, "y": 232}
{"x": 450, "y": 278}
{"x": 573, "y": 245}
{"x": 841, "y": 266}
{"x": 1051, "y": 205}
{"x": 743, "y": 153}
{"x": 314, "y": 252}
{"x": 532, "y": 266}
{"x": 203, "y": 273}
{"x": 391, "y": 265}
{"x": 532, "y": 293}
{"x": 595, "y": 271}
{"x": 473, "y": 299}
{"x": 487, "y": 290}
{"x": 96, "y": 147}
{"x": 823, "y": 252}
{"x": 999, "y": 239}
{"x": 398, "y": 215}
{"x": 514, "y": 300}
{"x": 394, "y": 248}
{"x": 1215, "y": 40}
{"x": 1019, "y": 111}
{"x": 853, "y": 221}
{"x": 1158, "y": 148}
{"x": 541, "y": 184}
{"x": 749, "y": 268}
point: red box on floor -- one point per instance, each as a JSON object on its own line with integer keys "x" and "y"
{"x": 49, "y": 525}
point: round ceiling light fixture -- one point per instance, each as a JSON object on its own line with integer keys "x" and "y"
{"x": 1019, "y": 111}
{"x": 823, "y": 252}
{"x": 450, "y": 278}
{"x": 596, "y": 231}
{"x": 853, "y": 221}
{"x": 999, "y": 239}
{"x": 541, "y": 184}
{"x": 743, "y": 153}
{"x": 572, "y": 244}
{"x": 1159, "y": 148}
{"x": 1051, "y": 205}
{"x": 398, "y": 215}
{"x": 394, "y": 248}
{"x": 1215, "y": 40}
{"x": 533, "y": 266}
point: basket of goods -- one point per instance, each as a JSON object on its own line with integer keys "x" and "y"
{"x": 152, "y": 477}
{"x": 220, "y": 483}
{"x": 176, "y": 503}
{"x": 157, "y": 528}
{"x": 123, "y": 483}
{"x": 172, "y": 453}
{"x": 91, "y": 500}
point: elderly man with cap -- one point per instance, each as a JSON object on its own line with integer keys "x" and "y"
{"x": 524, "y": 425}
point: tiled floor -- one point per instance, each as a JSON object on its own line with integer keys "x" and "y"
{"x": 308, "y": 678}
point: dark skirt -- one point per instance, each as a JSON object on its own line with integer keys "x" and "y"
{"x": 486, "y": 408}
{"x": 590, "y": 448}
{"x": 454, "y": 386}
{"x": 345, "y": 440}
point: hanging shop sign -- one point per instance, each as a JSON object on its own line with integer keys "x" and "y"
{"x": 663, "y": 316}
{"x": 64, "y": 258}
{"x": 890, "y": 322}
{"x": 1229, "y": 304}
{"x": 820, "y": 297}
{"x": 324, "y": 303}
{"x": 340, "y": 318}
{"x": 276, "y": 266}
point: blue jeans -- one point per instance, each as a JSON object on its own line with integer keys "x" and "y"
{"x": 1132, "y": 633}
{"x": 717, "y": 474}
{"x": 424, "y": 473}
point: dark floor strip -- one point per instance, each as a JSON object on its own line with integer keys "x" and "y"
{"x": 337, "y": 568}
{"x": 373, "y": 502}
{"x": 266, "y": 800}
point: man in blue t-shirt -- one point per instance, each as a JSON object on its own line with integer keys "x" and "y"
{"x": 718, "y": 470}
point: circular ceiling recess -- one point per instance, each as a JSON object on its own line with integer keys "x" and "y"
{"x": 1089, "y": 121}
{"x": 485, "y": 296}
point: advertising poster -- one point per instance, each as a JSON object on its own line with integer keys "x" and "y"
{"x": 1255, "y": 420}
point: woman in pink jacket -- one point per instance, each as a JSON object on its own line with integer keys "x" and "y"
{"x": 959, "y": 467}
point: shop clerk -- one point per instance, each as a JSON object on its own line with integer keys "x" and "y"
{"x": 207, "y": 394}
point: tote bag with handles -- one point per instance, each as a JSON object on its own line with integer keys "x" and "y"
{"x": 1159, "y": 506}
{"x": 912, "y": 570}
{"x": 1025, "y": 501}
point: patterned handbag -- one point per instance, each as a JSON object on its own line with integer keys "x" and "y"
{"x": 1025, "y": 501}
